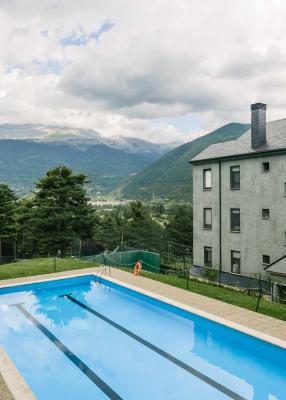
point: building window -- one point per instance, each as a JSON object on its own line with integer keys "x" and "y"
{"x": 265, "y": 213}
{"x": 207, "y": 218}
{"x": 235, "y": 219}
{"x": 207, "y": 179}
{"x": 265, "y": 167}
{"x": 235, "y": 177}
{"x": 265, "y": 259}
{"x": 208, "y": 256}
{"x": 235, "y": 262}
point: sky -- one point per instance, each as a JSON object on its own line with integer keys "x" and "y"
{"x": 161, "y": 70}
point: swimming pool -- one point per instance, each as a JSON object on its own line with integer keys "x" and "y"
{"x": 74, "y": 338}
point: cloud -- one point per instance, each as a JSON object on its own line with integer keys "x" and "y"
{"x": 121, "y": 66}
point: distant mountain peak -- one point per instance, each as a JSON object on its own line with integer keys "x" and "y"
{"x": 28, "y": 151}
{"x": 79, "y": 137}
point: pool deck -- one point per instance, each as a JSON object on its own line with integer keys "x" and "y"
{"x": 255, "y": 324}
{"x": 5, "y": 393}
{"x": 12, "y": 385}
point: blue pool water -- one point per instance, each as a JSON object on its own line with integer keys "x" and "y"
{"x": 108, "y": 342}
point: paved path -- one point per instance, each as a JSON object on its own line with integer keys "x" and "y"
{"x": 5, "y": 393}
{"x": 12, "y": 384}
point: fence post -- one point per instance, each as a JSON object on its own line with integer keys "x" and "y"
{"x": 260, "y": 294}
{"x": 15, "y": 249}
{"x": 55, "y": 264}
{"x": 188, "y": 278}
{"x": 169, "y": 250}
{"x": 275, "y": 292}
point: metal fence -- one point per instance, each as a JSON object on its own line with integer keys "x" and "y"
{"x": 227, "y": 278}
{"x": 7, "y": 259}
{"x": 260, "y": 293}
{"x": 164, "y": 263}
{"x": 150, "y": 261}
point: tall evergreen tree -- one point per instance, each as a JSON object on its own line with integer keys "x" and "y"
{"x": 179, "y": 229}
{"x": 108, "y": 230}
{"x": 61, "y": 211}
{"x": 26, "y": 235}
{"x": 140, "y": 230}
{"x": 7, "y": 216}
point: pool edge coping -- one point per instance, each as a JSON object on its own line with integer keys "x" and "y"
{"x": 204, "y": 314}
{"x": 14, "y": 380}
{"x": 194, "y": 310}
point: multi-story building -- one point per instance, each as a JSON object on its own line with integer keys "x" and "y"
{"x": 239, "y": 201}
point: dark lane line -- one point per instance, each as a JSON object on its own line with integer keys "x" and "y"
{"x": 159, "y": 351}
{"x": 70, "y": 355}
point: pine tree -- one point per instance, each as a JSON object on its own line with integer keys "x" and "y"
{"x": 140, "y": 230}
{"x": 61, "y": 211}
{"x": 7, "y": 216}
{"x": 108, "y": 230}
{"x": 179, "y": 229}
{"x": 26, "y": 237}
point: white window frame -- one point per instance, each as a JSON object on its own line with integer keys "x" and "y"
{"x": 234, "y": 169}
{"x": 235, "y": 268}
{"x": 208, "y": 248}
{"x": 206, "y": 211}
{"x": 232, "y": 212}
{"x": 207, "y": 179}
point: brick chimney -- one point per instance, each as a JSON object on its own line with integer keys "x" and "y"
{"x": 258, "y": 125}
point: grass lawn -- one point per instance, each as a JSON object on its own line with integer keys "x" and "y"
{"x": 41, "y": 266}
{"x": 46, "y": 265}
{"x": 227, "y": 295}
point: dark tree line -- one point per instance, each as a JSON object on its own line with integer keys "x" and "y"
{"x": 58, "y": 219}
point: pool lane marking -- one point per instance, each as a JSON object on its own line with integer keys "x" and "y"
{"x": 70, "y": 355}
{"x": 159, "y": 351}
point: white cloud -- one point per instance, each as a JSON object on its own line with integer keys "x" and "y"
{"x": 59, "y": 65}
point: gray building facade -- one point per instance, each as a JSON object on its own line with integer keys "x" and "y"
{"x": 239, "y": 201}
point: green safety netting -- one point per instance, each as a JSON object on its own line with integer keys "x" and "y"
{"x": 150, "y": 261}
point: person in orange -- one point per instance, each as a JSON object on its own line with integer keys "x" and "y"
{"x": 137, "y": 268}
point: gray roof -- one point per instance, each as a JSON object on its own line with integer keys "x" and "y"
{"x": 278, "y": 267}
{"x": 275, "y": 136}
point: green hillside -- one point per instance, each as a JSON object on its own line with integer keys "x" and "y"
{"x": 170, "y": 177}
{"x": 23, "y": 162}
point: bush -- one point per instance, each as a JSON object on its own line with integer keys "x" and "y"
{"x": 210, "y": 274}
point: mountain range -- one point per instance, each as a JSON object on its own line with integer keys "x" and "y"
{"x": 28, "y": 151}
{"x": 80, "y": 138}
{"x": 124, "y": 167}
{"x": 170, "y": 177}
